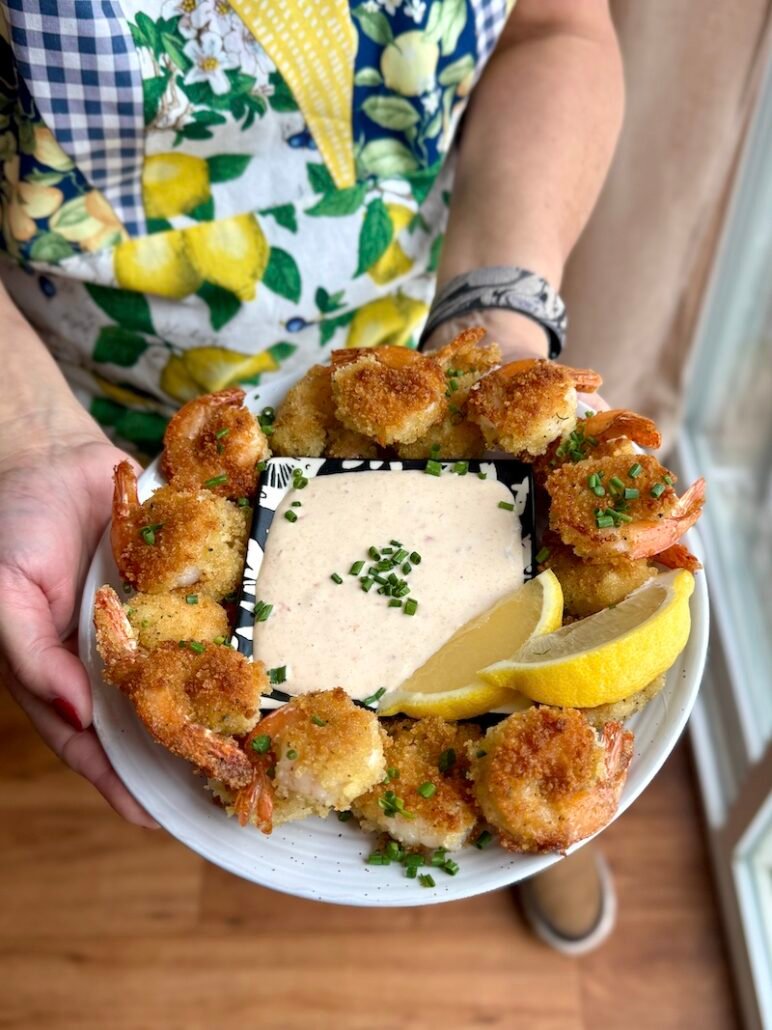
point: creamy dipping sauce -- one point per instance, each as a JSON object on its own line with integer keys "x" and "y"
{"x": 329, "y": 634}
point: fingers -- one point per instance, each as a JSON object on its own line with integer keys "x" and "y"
{"x": 83, "y": 753}
{"x": 30, "y": 645}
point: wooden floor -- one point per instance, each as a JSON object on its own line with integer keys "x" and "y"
{"x": 106, "y": 926}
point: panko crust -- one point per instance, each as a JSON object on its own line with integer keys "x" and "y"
{"x": 393, "y": 399}
{"x": 622, "y": 710}
{"x": 413, "y": 749}
{"x": 590, "y": 587}
{"x": 465, "y": 360}
{"x": 156, "y": 618}
{"x": 451, "y": 437}
{"x": 522, "y": 412}
{"x": 546, "y": 781}
{"x": 200, "y": 543}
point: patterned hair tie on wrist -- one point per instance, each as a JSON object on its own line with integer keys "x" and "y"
{"x": 502, "y": 286}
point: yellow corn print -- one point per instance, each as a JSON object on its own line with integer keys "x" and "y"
{"x": 313, "y": 44}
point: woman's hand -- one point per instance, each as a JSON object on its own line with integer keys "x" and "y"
{"x": 55, "y": 497}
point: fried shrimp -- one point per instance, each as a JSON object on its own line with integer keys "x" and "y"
{"x": 426, "y": 800}
{"x": 306, "y": 426}
{"x": 176, "y": 539}
{"x": 216, "y": 443}
{"x": 588, "y": 588}
{"x": 465, "y": 360}
{"x": 391, "y": 394}
{"x": 621, "y": 506}
{"x": 601, "y": 435}
{"x": 545, "y": 779}
{"x": 524, "y": 406}
{"x": 452, "y": 437}
{"x": 318, "y": 752}
{"x": 175, "y": 616}
{"x": 192, "y": 697}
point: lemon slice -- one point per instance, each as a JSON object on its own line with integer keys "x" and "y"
{"x": 447, "y": 684}
{"x": 608, "y": 656}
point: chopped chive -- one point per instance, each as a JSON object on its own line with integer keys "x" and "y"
{"x": 374, "y": 553}
{"x": 434, "y": 450}
{"x": 367, "y": 582}
{"x": 198, "y": 648}
{"x": 631, "y": 493}
{"x": 433, "y": 468}
{"x": 216, "y": 481}
{"x": 375, "y": 697}
{"x": 378, "y": 858}
{"x": 394, "y": 851}
{"x": 148, "y": 533}
{"x": 400, "y": 555}
{"x": 439, "y": 857}
{"x": 622, "y": 516}
{"x": 635, "y": 470}
{"x": 593, "y": 481}
{"x": 317, "y": 721}
{"x": 387, "y": 550}
{"x": 450, "y": 867}
{"x": 343, "y": 817}
{"x": 191, "y": 598}
{"x": 243, "y": 502}
{"x": 447, "y": 760}
{"x": 411, "y": 606}
{"x": 292, "y": 754}
{"x": 461, "y": 468}
{"x": 482, "y": 475}
{"x": 392, "y": 773}
{"x": 297, "y": 504}
{"x": 658, "y": 489}
{"x": 290, "y": 516}
{"x": 219, "y": 640}
{"x": 599, "y": 491}
{"x": 667, "y": 480}
{"x": 413, "y": 858}
{"x": 543, "y": 555}
{"x": 604, "y": 521}
{"x": 393, "y": 805}
{"x": 480, "y": 753}
{"x": 268, "y": 414}
{"x": 261, "y": 466}
{"x": 261, "y": 743}
{"x": 221, "y": 433}
{"x": 356, "y": 568}
{"x": 262, "y": 611}
{"x": 407, "y": 568}
{"x": 483, "y": 840}
{"x": 395, "y": 543}
{"x": 395, "y": 603}
{"x": 506, "y": 505}
{"x": 427, "y": 790}
{"x": 278, "y": 674}
{"x": 411, "y": 872}
{"x": 415, "y": 558}
{"x": 336, "y": 578}
{"x": 615, "y": 483}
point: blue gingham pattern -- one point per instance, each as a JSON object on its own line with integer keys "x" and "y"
{"x": 81, "y": 68}
{"x": 489, "y": 19}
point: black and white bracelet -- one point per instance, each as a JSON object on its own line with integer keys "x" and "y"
{"x": 502, "y": 286}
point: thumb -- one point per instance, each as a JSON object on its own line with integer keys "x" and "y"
{"x": 35, "y": 655}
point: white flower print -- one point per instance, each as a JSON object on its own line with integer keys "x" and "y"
{"x": 249, "y": 56}
{"x": 390, "y": 6}
{"x": 415, "y": 9}
{"x": 431, "y": 101}
{"x": 371, "y": 6}
{"x": 214, "y": 15}
{"x": 210, "y": 61}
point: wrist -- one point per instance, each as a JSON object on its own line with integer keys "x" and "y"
{"x": 516, "y": 334}
{"x": 45, "y": 432}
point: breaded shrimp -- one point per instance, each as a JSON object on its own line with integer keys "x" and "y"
{"x": 192, "y": 697}
{"x": 179, "y": 615}
{"x": 452, "y": 437}
{"x": 176, "y": 539}
{"x": 619, "y": 711}
{"x": 524, "y": 406}
{"x": 306, "y": 426}
{"x": 589, "y": 588}
{"x": 391, "y": 394}
{"x": 318, "y": 752}
{"x": 214, "y": 442}
{"x": 423, "y": 754}
{"x": 604, "y": 512}
{"x": 545, "y": 779}
{"x": 465, "y": 360}
{"x": 602, "y": 435}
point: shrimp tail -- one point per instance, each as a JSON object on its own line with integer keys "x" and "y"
{"x": 617, "y": 422}
{"x": 618, "y": 745}
{"x": 218, "y": 756}
{"x": 125, "y": 503}
{"x": 585, "y": 380}
{"x": 255, "y": 800}
{"x": 664, "y": 534}
{"x": 115, "y": 638}
{"x": 679, "y": 557}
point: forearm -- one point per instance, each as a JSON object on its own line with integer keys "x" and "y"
{"x": 537, "y": 140}
{"x": 36, "y": 404}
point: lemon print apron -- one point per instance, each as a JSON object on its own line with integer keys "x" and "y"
{"x": 196, "y": 193}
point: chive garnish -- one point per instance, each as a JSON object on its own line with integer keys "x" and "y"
{"x": 415, "y": 558}
{"x": 599, "y": 491}
{"x": 667, "y": 480}
{"x": 543, "y": 555}
{"x": 395, "y": 603}
{"x": 615, "y": 483}
{"x": 343, "y": 817}
{"x": 195, "y": 646}
{"x": 191, "y": 598}
{"x": 461, "y": 468}
{"x": 395, "y": 543}
{"x": 483, "y": 840}
{"x": 261, "y": 743}
{"x": 392, "y": 773}
{"x": 506, "y": 505}
{"x": 426, "y": 790}
{"x": 658, "y": 489}
{"x": 148, "y": 533}
{"x": 635, "y": 470}
{"x": 221, "y": 433}
{"x": 292, "y": 754}
{"x": 243, "y": 502}
{"x": 604, "y": 521}
{"x": 400, "y": 555}
{"x": 482, "y": 475}
{"x": 278, "y": 674}
{"x": 447, "y": 760}
{"x": 297, "y": 504}
{"x": 378, "y": 858}
{"x": 480, "y": 753}
{"x": 394, "y": 851}
{"x": 356, "y": 568}
{"x": 439, "y": 857}
{"x": 216, "y": 481}
{"x": 317, "y": 721}
{"x": 393, "y": 805}
{"x": 631, "y": 493}
{"x": 433, "y": 468}
{"x": 336, "y": 578}
{"x": 450, "y": 867}
{"x": 407, "y": 568}
{"x": 410, "y": 606}
{"x": 262, "y": 611}
{"x": 375, "y": 697}
{"x": 426, "y": 880}
{"x": 261, "y": 466}
{"x": 290, "y": 516}
{"x": 374, "y": 553}
{"x": 367, "y": 582}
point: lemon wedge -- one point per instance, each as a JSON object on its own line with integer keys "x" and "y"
{"x": 447, "y": 684}
{"x": 608, "y": 656}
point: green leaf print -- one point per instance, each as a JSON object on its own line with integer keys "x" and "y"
{"x": 387, "y": 158}
{"x": 422, "y": 181}
{"x": 209, "y": 118}
{"x": 44, "y": 178}
{"x": 70, "y": 214}
{"x": 149, "y": 34}
{"x": 203, "y": 212}
{"x": 368, "y": 77}
{"x": 282, "y": 99}
{"x": 434, "y": 253}
{"x": 339, "y": 202}
{"x": 456, "y": 72}
{"x": 329, "y": 326}
{"x": 105, "y": 411}
{"x": 171, "y": 46}
{"x": 224, "y": 167}
{"x": 152, "y": 91}
{"x": 451, "y": 24}
{"x": 374, "y": 236}
{"x": 282, "y": 274}
{"x": 223, "y": 305}
{"x": 119, "y": 346}
{"x": 282, "y": 350}
{"x": 128, "y": 309}
{"x": 194, "y": 130}
{"x": 434, "y": 126}
{"x": 328, "y": 302}
{"x": 158, "y": 225}
{"x": 391, "y": 112}
{"x": 284, "y": 214}
{"x": 50, "y": 247}
{"x": 144, "y": 428}
{"x": 320, "y": 179}
{"x": 374, "y": 24}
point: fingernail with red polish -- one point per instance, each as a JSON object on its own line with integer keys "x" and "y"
{"x": 67, "y": 712}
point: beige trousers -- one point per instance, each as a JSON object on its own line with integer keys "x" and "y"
{"x": 634, "y": 282}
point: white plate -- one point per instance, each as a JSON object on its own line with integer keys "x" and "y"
{"x": 323, "y": 859}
